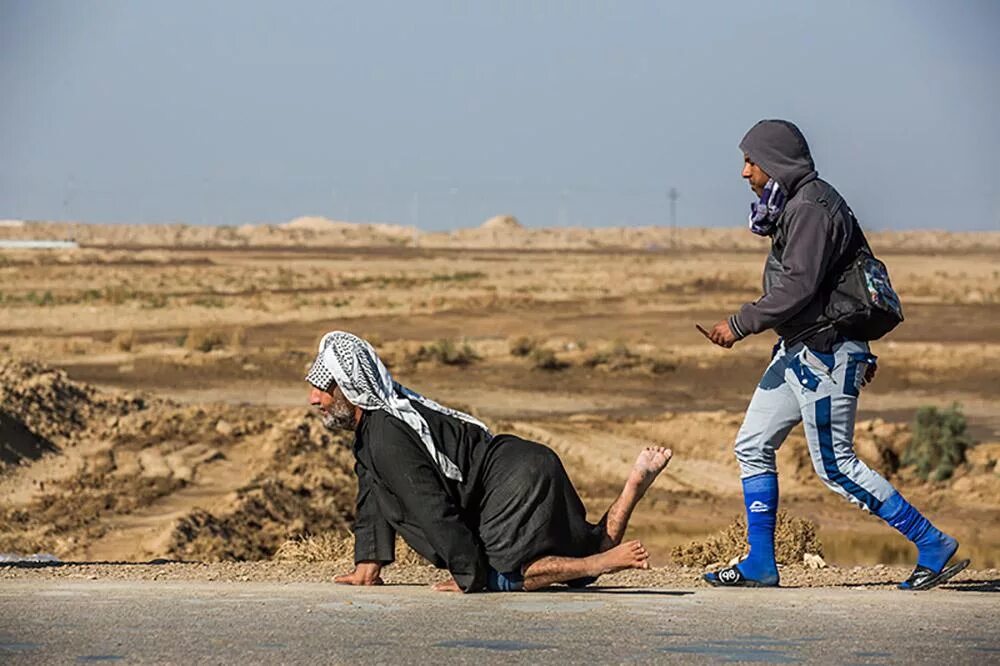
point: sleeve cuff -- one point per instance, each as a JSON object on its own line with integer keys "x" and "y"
{"x": 734, "y": 326}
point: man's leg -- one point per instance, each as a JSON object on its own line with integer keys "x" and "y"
{"x": 829, "y": 415}
{"x": 613, "y": 555}
{"x": 548, "y": 571}
{"x": 651, "y": 461}
{"x": 772, "y": 413}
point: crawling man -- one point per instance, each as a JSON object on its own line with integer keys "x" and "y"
{"x": 497, "y": 511}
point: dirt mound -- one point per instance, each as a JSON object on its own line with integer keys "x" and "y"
{"x": 119, "y": 460}
{"x": 321, "y": 231}
{"x": 45, "y": 402}
{"x": 307, "y": 487}
{"x": 502, "y": 223}
{"x": 793, "y": 539}
{"x": 315, "y": 223}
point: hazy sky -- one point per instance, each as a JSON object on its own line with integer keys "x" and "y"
{"x": 445, "y": 113}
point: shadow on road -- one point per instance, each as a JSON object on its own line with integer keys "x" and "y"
{"x": 618, "y": 589}
{"x": 47, "y": 564}
{"x": 974, "y": 585}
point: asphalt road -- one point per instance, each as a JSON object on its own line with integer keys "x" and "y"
{"x": 67, "y": 621}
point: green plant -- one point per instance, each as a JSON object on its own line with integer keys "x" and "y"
{"x": 461, "y": 276}
{"x": 619, "y": 357}
{"x": 447, "y": 352}
{"x": 546, "y": 359}
{"x": 209, "y": 301}
{"x": 939, "y": 442}
{"x": 42, "y": 299}
{"x": 660, "y": 366}
{"x": 523, "y": 346}
{"x": 204, "y": 341}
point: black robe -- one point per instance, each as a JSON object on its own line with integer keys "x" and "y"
{"x": 514, "y": 505}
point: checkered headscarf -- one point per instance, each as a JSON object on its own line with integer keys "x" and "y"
{"x": 353, "y": 365}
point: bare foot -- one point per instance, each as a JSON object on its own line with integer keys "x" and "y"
{"x": 446, "y": 586}
{"x": 629, "y": 555}
{"x": 651, "y": 461}
{"x": 365, "y": 573}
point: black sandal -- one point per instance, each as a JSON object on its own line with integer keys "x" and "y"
{"x": 924, "y": 578}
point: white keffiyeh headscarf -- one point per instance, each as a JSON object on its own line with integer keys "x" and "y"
{"x": 365, "y": 381}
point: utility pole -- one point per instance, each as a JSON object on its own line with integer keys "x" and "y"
{"x": 672, "y": 195}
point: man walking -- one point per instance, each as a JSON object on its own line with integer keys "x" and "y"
{"x": 817, "y": 370}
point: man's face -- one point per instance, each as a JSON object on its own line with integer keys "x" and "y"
{"x": 337, "y": 413}
{"x": 754, "y": 175}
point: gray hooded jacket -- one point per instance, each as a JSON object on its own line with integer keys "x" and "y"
{"x": 814, "y": 235}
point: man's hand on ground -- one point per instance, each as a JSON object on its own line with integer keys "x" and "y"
{"x": 365, "y": 573}
{"x": 720, "y": 334}
{"x": 446, "y": 586}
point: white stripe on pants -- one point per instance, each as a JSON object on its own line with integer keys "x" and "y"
{"x": 798, "y": 385}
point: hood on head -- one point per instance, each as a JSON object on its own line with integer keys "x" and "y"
{"x": 780, "y": 149}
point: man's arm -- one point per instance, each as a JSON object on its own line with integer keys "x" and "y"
{"x": 374, "y": 537}
{"x": 807, "y": 256}
{"x": 403, "y": 463}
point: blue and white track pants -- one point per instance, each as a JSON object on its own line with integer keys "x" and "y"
{"x": 821, "y": 391}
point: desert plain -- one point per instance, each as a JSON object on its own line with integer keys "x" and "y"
{"x": 153, "y": 409}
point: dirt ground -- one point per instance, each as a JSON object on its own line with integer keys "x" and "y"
{"x": 152, "y": 403}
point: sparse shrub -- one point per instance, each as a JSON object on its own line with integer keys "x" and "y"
{"x": 522, "y": 346}
{"x": 660, "y": 366}
{"x": 461, "y": 276}
{"x": 939, "y": 442}
{"x": 204, "y": 340}
{"x": 446, "y": 352}
{"x": 209, "y": 302}
{"x": 619, "y": 357}
{"x": 237, "y": 337}
{"x": 336, "y": 546}
{"x": 124, "y": 341}
{"x": 40, "y": 300}
{"x": 155, "y": 302}
{"x": 546, "y": 359}
{"x": 117, "y": 294}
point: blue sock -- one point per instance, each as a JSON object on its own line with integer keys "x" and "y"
{"x": 935, "y": 547}
{"x": 760, "y": 495}
{"x": 504, "y": 582}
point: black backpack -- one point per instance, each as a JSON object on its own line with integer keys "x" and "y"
{"x": 859, "y": 299}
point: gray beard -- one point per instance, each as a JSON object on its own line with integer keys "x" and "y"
{"x": 339, "y": 418}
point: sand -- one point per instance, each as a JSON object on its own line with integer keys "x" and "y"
{"x": 153, "y": 405}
